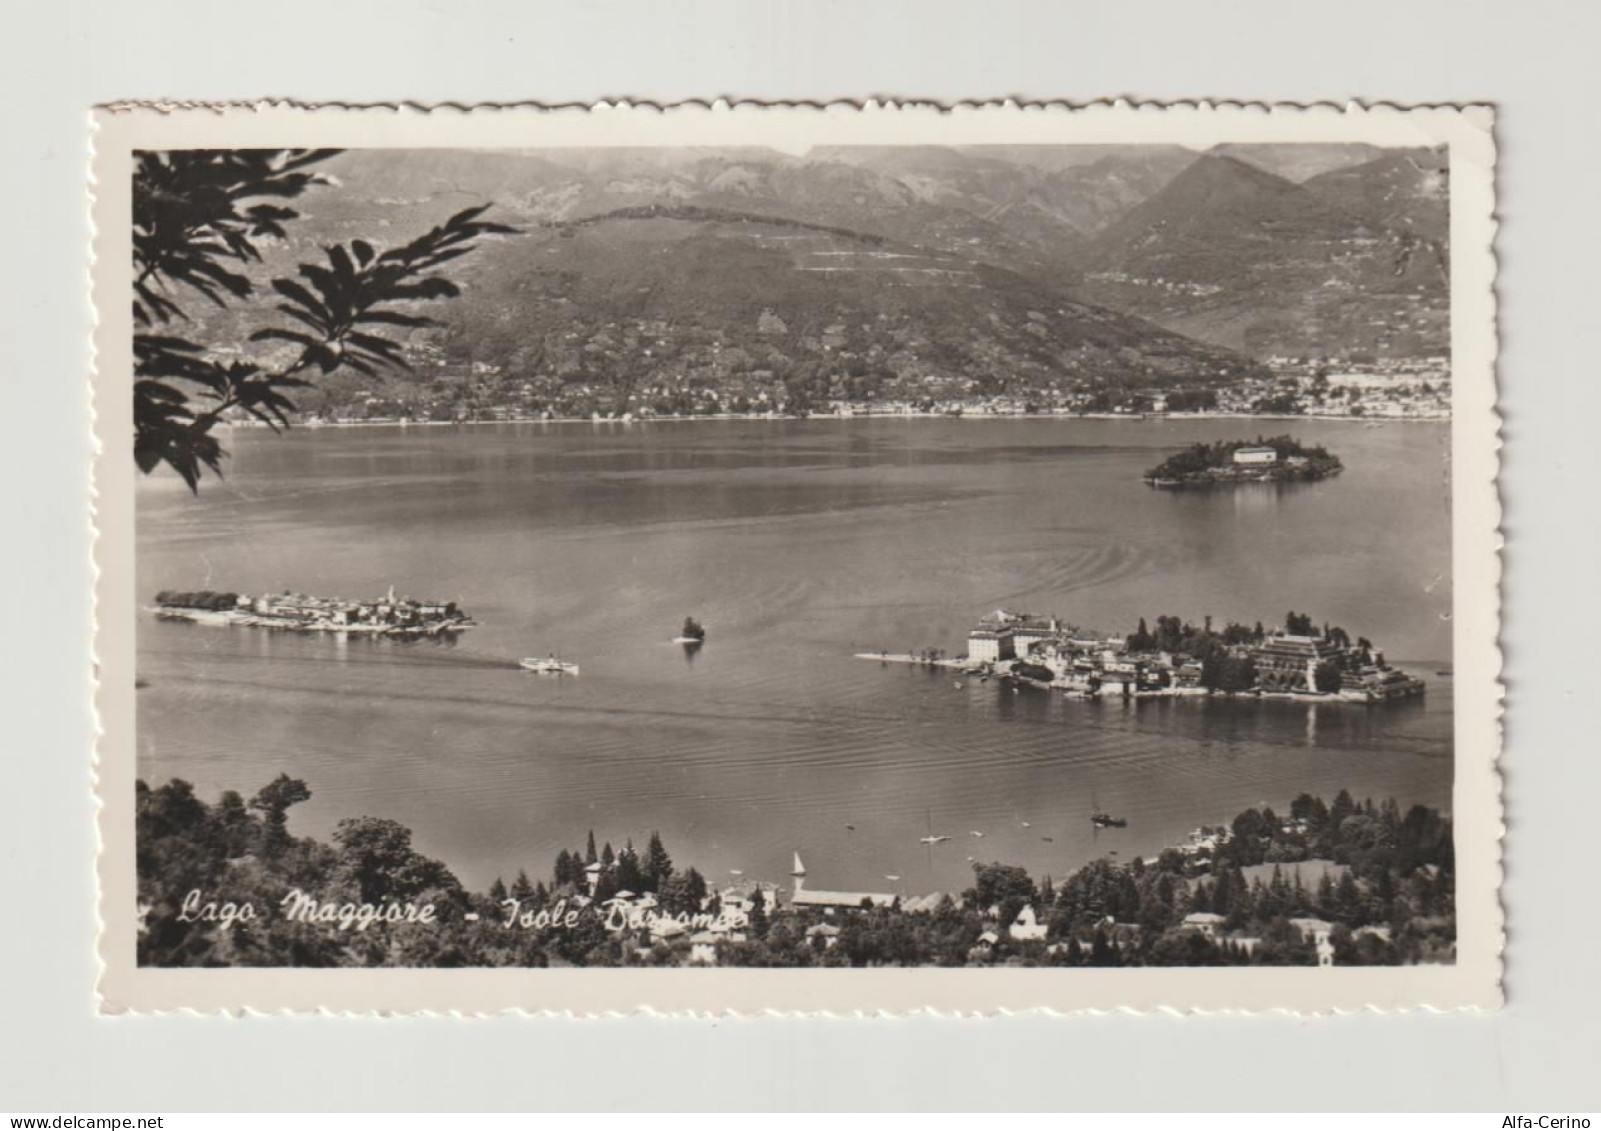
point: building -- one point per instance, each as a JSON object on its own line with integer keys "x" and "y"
{"x": 922, "y": 904}
{"x": 1209, "y": 923}
{"x": 1028, "y": 631}
{"x": 1027, "y": 926}
{"x": 1003, "y": 635}
{"x": 1289, "y": 663}
{"x": 990, "y": 645}
{"x": 1317, "y": 932}
{"x": 1255, "y": 456}
{"x": 703, "y": 949}
{"x": 1372, "y": 684}
{"x": 830, "y": 901}
{"x": 743, "y": 897}
{"x": 825, "y": 931}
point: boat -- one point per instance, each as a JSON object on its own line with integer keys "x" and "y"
{"x": 1101, "y": 819}
{"x": 550, "y": 666}
{"x": 693, "y": 632}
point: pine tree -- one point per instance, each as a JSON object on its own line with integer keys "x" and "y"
{"x": 1342, "y": 808}
{"x": 520, "y": 887}
{"x": 630, "y": 875}
{"x": 695, "y": 886}
{"x": 497, "y": 891}
{"x": 1325, "y": 896}
{"x": 758, "y": 914}
{"x": 590, "y": 855}
{"x": 1348, "y": 899}
{"x": 1279, "y": 888}
{"x": 1102, "y": 952}
{"x": 607, "y": 856}
{"x": 658, "y": 865}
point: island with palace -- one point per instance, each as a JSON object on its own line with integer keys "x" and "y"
{"x": 1174, "y": 657}
{"x": 1281, "y": 459}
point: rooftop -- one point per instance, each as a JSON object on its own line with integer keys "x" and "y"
{"x": 808, "y": 898}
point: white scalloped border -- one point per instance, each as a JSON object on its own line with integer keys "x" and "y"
{"x": 1477, "y": 116}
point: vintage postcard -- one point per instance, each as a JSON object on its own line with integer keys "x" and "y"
{"x": 854, "y": 560}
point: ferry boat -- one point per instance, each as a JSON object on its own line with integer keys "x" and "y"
{"x": 550, "y": 666}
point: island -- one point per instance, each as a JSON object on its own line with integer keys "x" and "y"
{"x": 1298, "y": 660}
{"x": 388, "y": 616}
{"x": 1281, "y": 459}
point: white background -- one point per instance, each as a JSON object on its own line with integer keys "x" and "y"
{"x": 1536, "y": 60}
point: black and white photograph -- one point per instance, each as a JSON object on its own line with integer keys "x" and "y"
{"x": 1036, "y": 557}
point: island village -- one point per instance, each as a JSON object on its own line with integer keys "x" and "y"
{"x": 1297, "y": 661}
{"x": 388, "y": 615}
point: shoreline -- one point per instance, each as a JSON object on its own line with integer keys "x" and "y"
{"x": 1137, "y": 418}
{"x": 967, "y": 667}
{"x": 230, "y": 618}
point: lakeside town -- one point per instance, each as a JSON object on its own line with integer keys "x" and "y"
{"x": 1372, "y": 389}
{"x": 1298, "y": 660}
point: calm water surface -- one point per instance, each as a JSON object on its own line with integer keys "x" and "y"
{"x": 797, "y": 543}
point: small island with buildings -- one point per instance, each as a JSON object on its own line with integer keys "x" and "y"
{"x": 1299, "y": 660}
{"x": 1281, "y": 459}
{"x": 391, "y": 616}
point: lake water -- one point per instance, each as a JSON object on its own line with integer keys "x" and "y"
{"x": 797, "y": 543}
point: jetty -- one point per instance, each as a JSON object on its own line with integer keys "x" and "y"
{"x": 959, "y": 663}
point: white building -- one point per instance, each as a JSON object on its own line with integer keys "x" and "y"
{"x": 833, "y": 900}
{"x": 1255, "y": 456}
{"x": 1027, "y": 926}
{"x": 703, "y": 949}
{"x": 1317, "y": 932}
{"x": 825, "y": 931}
{"x": 990, "y": 645}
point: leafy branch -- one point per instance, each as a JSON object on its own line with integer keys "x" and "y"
{"x": 197, "y": 216}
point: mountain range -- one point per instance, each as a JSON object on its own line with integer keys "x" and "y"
{"x": 1012, "y": 268}
{"x": 1353, "y": 260}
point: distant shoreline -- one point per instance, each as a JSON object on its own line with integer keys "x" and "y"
{"x": 1136, "y": 418}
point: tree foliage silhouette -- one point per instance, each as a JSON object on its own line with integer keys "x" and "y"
{"x": 199, "y": 218}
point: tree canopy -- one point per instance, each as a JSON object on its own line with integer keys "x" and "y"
{"x": 200, "y": 218}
